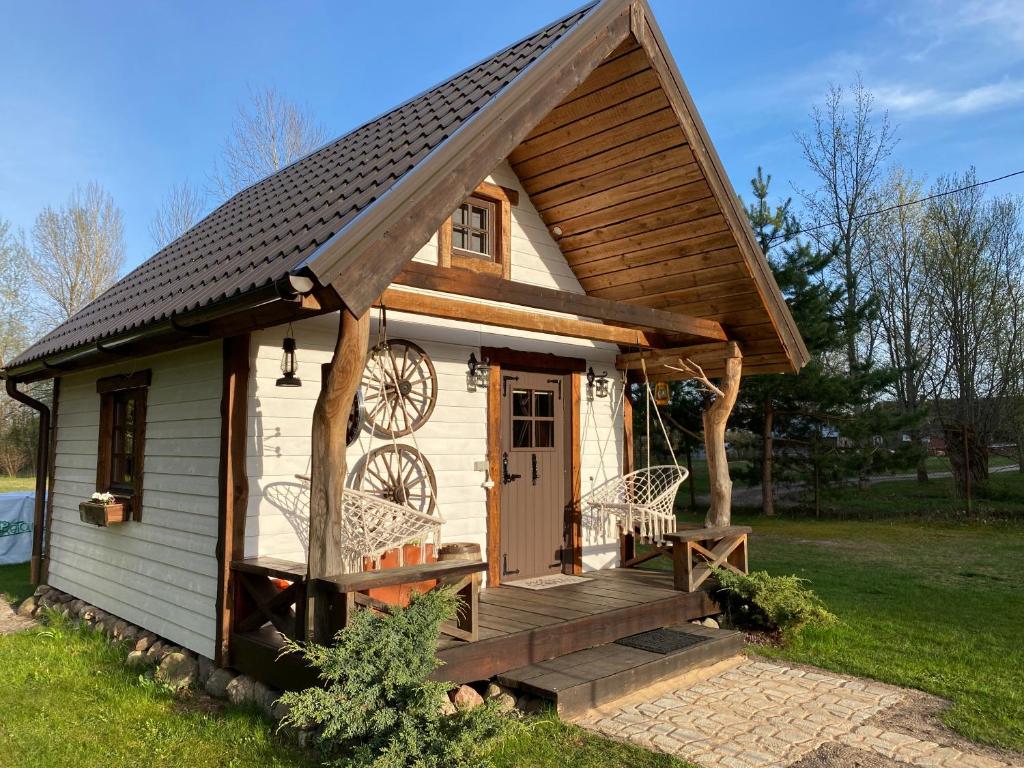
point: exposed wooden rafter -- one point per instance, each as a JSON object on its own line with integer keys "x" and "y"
{"x": 418, "y": 303}
{"x": 493, "y": 288}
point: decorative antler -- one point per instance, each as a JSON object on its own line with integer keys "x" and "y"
{"x": 690, "y": 368}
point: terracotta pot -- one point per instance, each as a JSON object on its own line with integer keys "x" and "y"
{"x": 103, "y": 515}
{"x": 399, "y": 594}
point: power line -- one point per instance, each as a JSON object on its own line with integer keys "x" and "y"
{"x": 920, "y": 200}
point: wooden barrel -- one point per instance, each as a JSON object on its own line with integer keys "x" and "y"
{"x": 458, "y": 550}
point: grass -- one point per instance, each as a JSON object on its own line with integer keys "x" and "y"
{"x": 936, "y": 606}
{"x": 69, "y": 700}
{"x": 8, "y": 484}
{"x": 1002, "y": 498}
{"x": 14, "y": 582}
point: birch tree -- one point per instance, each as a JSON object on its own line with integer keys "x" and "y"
{"x": 846, "y": 148}
{"x": 894, "y": 268}
{"x": 268, "y": 133}
{"x": 77, "y": 252}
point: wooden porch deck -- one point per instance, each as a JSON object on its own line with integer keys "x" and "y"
{"x": 519, "y": 626}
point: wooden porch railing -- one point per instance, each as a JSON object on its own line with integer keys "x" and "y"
{"x": 695, "y": 551}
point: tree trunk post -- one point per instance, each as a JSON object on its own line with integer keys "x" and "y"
{"x": 767, "y": 459}
{"x": 716, "y": 417}
{"x": 328, "y": 466}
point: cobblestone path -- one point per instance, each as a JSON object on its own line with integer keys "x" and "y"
{"x": 755, "y": 714}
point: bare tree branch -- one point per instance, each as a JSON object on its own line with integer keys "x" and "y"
{"x": 179, "y": 211}
{"x": 268, "y": 133}
{"x": 77, "y": 253}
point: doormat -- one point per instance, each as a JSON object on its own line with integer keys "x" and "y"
{"x": 547, "y": 582}
{"x": 666, "y": 640}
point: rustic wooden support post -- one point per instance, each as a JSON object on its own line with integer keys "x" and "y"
{"x": 328, "y": 467}
{"x": 715, "y": 418}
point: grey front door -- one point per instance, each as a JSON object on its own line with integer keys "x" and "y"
{"x": 535, "y": 472}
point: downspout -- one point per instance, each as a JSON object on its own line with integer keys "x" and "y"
{"x": 42, "y": 470}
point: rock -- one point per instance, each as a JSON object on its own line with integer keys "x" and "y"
{"x": 504, "y": 699}
{"x": 64, "y": 597}
{"x": 154, "y": 651}
{"x": 281, "y": 710}
{"x": 217, "y": 683}
{"x": 88, "y": 613}
{"x": 206, "y": 667}
{"x": 144, "y": 641}
{"x": 710, "y": 623}
{"x": 447, "y": 708}
{"x": 264, "y": 696}
{"x": 137, "y": 660}
{"x": 307, "y": 739}
{"x": 41, "y": 590}
{"x": 241, "y": 690}
{"x": 117, "y": 629}
{"x": 531, "y": 705}
{"x": 27, "y": 607}
{"x": 177, "y": 670}
{"x": 168, "y": 648}
{"x": 466, "y": 697}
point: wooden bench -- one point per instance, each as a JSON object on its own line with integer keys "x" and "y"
{"x": 695, "y": 551}
{"x": 343, "y": 594}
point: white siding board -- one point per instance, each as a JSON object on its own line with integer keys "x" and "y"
{"x": 160, "y": 573}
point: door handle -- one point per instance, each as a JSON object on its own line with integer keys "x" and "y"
{"x": 506, "y": 477}
{"x": 533, "y": 468}
{"x": 504, "y": 567}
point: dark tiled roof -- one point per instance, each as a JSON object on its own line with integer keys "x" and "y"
{"x": 265, "y": 231}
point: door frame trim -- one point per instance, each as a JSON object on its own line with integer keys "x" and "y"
{"x": 500, "y": 358}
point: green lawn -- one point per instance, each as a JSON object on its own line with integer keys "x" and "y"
{"x": 939, "y": 607}
{"x": 8, "y": 484}
{"x": 68, "y": 700}
{"x": 14, "y": 582}
{"x": 1003, "y": 497}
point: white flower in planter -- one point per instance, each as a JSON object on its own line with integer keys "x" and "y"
{"x": 104, "y": 498}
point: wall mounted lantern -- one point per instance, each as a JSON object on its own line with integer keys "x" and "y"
{"x": 597, "y": 384}
{"x": 289, "y": 365}
{"x": 478, "y": 372}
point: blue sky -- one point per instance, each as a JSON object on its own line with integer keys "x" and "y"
{"x": 139, "y": 95}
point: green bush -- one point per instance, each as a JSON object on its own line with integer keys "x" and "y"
{"x": 760, "y": 600}
{"x": 376, "y": 706}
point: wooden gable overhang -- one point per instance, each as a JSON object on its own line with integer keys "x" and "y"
{"x": 605, "y": 138}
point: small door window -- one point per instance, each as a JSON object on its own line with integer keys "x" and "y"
{"x": 533, "y": 419}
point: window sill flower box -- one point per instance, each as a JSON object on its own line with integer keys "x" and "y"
{"x": 103, "y": 509}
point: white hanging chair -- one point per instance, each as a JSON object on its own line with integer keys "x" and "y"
{"x": 642, "y": 501}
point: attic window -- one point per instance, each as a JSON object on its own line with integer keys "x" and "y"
{"x": 477, "y": 236}
{"x": 122, "y": 432}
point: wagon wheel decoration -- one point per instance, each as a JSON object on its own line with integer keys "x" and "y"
{"x": 356, "y": 418}
{"x": 401, "y": 474}
{"x": 399, "y": 388}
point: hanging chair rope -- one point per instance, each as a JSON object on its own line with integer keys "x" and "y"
{"x": 642, "y": 500}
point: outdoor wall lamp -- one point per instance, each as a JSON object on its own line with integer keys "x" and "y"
{"x": 289, "y": 365}
{"x": 478, "y": 372}
{"x": 597, "y": 384}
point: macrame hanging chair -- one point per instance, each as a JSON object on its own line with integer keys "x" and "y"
{"x": 642, "y": 502}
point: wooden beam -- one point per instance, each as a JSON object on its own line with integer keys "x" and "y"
{"x": 417, "y": 303}
{"x": 494, "y": 475}
{"x": 575, "y": 510}
{"x": 233, "y": 484}
{"x": 494, "y": 288}
{"x": 328, "y": 466}
{"x": 655, "y": 358}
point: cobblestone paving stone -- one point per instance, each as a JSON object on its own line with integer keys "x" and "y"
{"x": 758, "y": 714}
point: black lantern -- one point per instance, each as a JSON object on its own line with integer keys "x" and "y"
{"x": 478, "y": 372}
{"x": 289, "y": 365}
{"x": 597, "y": 384}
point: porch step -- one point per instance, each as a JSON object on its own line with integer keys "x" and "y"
{"x": 584, "y": 679}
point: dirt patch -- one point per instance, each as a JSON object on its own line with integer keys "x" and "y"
{"x": 920, "y": 715}
{"x": 11, "y": 622}
{"x": 836, "y": 755}
{"x": 199, "y": 701}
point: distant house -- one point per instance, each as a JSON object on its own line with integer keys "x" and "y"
{"x": 539, "y": 214}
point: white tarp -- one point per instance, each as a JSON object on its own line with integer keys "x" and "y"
{"x": 16, "y": 527}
